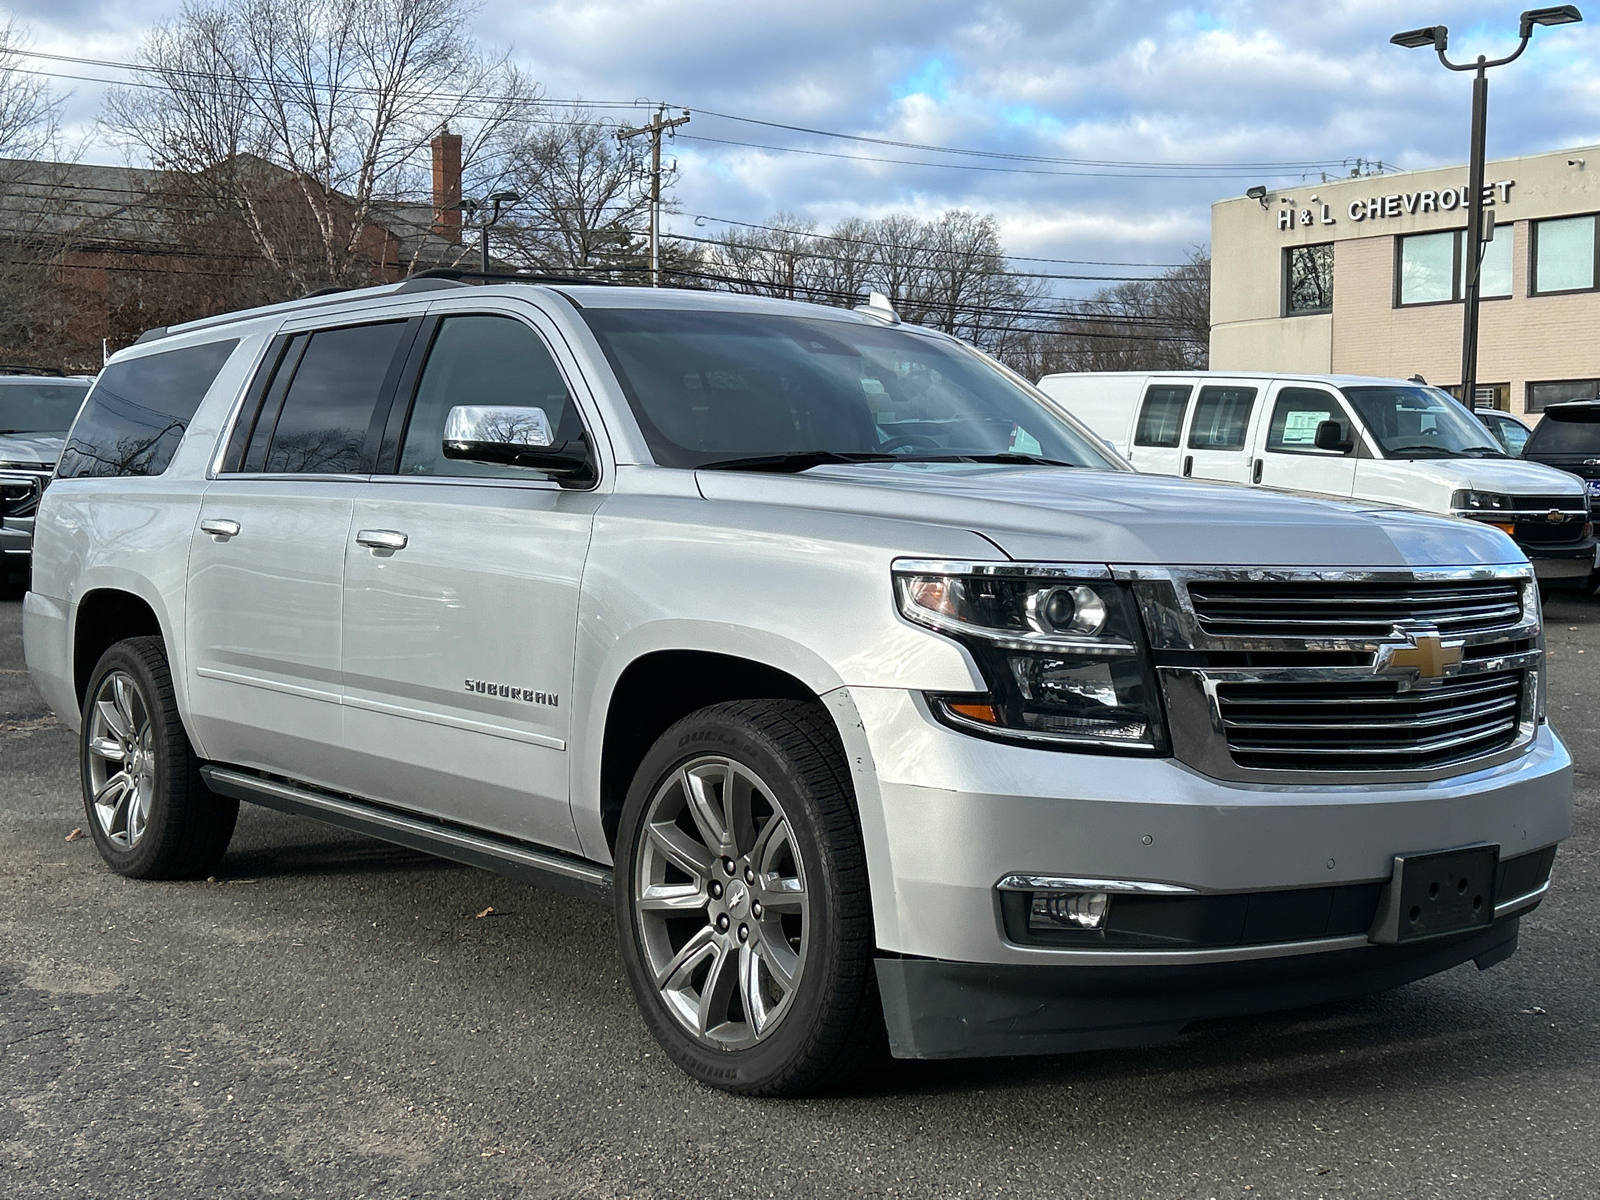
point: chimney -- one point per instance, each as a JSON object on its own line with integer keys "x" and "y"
{"x": 447, "y": 184}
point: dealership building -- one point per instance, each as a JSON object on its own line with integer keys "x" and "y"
{"x": 1363, "y": 276}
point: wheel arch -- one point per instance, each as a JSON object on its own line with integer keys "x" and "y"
{"x": 659, "y": 688}
{"x": 104, "y": 616}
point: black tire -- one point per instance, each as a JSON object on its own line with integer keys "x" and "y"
{"x": 186, "y": 828}
{"x": 833, "y": 1023}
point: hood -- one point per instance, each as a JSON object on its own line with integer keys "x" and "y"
{"x": 30, "y": 449}
{"x": 1081, "y": 515}
{"x": 1509, "y": 476}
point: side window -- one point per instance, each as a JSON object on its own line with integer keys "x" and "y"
{"x": 315, "y": 415}
{"x": 1512, "y": 436}
{"x": 1221, "y": 418}
{"x": 138, "y": 410}
{"x": 1295, "y": 417}
{"x": 1161, "y": 417}
{"x": 483, "y": 360}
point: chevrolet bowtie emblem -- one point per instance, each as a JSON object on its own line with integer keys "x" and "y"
{"x": 1424, "y": 652}
{"x": 1555, "y": 516}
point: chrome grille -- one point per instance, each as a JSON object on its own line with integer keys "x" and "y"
{"x": 1359, "y": 611}
{"x": 1369, "y": 725}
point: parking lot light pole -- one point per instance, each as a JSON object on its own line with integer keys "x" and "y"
{"x": 1438, "y": 37}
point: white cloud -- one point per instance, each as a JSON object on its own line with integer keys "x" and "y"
{"x": 1231, "y": 81}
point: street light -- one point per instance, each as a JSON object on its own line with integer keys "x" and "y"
{"x": 491, "y": 216}
{"x": 1438, "y": 37}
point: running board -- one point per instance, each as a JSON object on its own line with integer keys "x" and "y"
{"x": 516, "y": 860}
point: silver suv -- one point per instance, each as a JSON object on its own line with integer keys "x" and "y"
{"x": 877, "y": 696}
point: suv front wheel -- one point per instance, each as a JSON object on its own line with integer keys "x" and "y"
{"x": 151, "y": 815}
{"x": 742, "y": 900}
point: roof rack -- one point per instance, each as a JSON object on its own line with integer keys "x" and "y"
{"x": 459, "y": 275}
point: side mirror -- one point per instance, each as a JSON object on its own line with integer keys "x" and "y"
{"x": 514, "y": 437}
{"x": 1331, "y": 436}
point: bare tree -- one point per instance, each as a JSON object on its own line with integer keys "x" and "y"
{"x": 949, "y": 273}
{"x": 585, "y": 197}
{"x": 1160, "y": 324}
{"x": 294, "y": 122}
{"x": 32, "y": 205}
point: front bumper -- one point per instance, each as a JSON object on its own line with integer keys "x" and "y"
{"x": 959, "y": 1010}
{"x": 1575, "y": 561}
{"x": 946, "y": 816}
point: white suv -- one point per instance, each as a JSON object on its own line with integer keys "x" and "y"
{"x": 874, "y": 693}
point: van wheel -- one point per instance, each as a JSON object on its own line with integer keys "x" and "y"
{"x": 742, "y": 902}
{"x": 151, "y": 815}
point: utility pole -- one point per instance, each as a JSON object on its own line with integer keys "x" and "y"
{"x": 658, "y": 125}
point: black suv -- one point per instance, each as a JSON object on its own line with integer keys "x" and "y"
{"x": 1568, "y": 438}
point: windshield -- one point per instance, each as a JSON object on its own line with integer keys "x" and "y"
{"x": 710, "y": 387}
{"x": 40, "y": 407}
{"x": 1421, "y": 422}
{"x": 1567, "y": 433}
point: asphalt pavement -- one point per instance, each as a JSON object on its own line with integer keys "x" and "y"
{"x": 335, "y": 1017}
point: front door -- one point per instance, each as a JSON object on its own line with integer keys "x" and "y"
{"x": 266, "y": 560}
{"x": 1286, "y": 443}
{"x": 461, "y": 599}
{"x": 1219, "y": 433}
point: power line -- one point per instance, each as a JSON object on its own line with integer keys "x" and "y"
{"x": 1075, "y": 262}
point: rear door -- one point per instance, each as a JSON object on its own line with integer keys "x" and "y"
{"x": 266, "y": 560}
{"x": 1219, "y": 432}
{"x": 1157, "y": 442}
{"x": 1286, "y": 454}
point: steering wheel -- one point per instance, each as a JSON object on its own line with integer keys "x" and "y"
{"x": 909, "y": 441}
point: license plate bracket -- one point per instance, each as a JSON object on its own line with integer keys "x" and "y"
{"x": 1438, "y": 893}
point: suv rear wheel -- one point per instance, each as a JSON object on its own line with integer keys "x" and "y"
{"x": 151, "y": 815}
{"x": 742, "y": 900}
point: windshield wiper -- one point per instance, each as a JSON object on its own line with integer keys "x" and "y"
{"x": 803, "y": 460}
{"x": 794, "y": 461}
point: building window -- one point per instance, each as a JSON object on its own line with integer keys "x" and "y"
{"x": 1308, "y": 279}
{"x": 1540, "y": 395}
{"x": 1431, "y": 267}
{"x": 1564, "y": 255}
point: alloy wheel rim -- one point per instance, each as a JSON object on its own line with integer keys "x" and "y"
{"x": 721, "y": 901}
{"x": 122, "y": 765}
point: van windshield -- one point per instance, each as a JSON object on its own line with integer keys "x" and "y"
{"x": 764, "y": 391}
{"x": 40, "y": 407}
{"x": 1421, "y": 422}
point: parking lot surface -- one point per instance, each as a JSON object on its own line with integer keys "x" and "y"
{"x": 334, "y": 1017}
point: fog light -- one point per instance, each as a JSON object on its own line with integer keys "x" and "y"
{"x": 1074, "y": 910}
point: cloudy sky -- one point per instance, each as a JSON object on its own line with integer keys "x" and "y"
{"x": 1207, "y": 99}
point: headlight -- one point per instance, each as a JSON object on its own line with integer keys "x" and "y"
{"x": 1480, "y": 502}
{"x": 1062, "y": 650}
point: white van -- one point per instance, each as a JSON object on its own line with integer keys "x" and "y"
{"x": 1386, "y": 440}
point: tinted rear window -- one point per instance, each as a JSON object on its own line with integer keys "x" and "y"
{"x": 1556, "y": 436}
{"x": 135, "y": 416}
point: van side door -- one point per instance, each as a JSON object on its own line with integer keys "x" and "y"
{"x": 1156, "y": 446}
{"x": 1285, "y": 446}
{"x": 461, "y": 590}
{"x": 1218, "y": 445}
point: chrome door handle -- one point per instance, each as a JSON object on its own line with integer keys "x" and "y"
{"x": 220, "y": 528}
{"x": 381, "y": 539}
